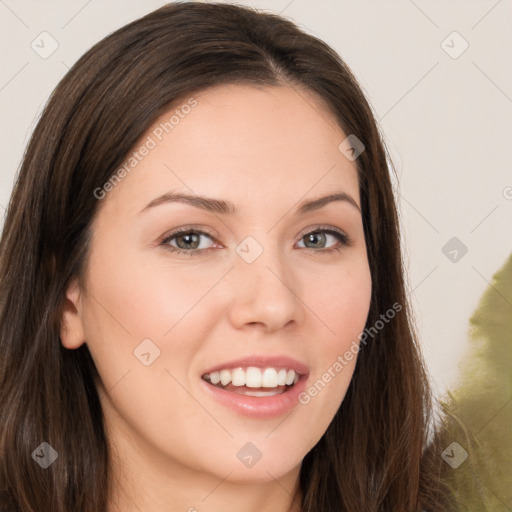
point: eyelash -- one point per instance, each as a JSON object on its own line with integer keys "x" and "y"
{"x": 344, "y": 239}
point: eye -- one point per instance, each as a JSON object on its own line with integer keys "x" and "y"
{"x": 321, "y": 235}
{"x": 188, "y": 242}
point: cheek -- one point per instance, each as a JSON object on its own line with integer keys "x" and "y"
{"x": 341, "y": 300}
{"x": 147, "y": 297}
{"x": 342, "y": 304}
{"x": 133, "y": 299}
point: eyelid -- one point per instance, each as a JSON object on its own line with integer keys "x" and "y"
{"x": 186, "y": 229}
{"x": 321, "y": 227}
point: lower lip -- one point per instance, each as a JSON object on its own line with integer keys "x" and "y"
{"x": 261, "y": 407}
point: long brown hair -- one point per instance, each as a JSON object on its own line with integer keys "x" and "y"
{"x": 374, "y": 456}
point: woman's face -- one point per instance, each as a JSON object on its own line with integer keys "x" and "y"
{"x": 264, "y": 294}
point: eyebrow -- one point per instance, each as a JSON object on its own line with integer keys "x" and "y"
{"x": 227, "y": 208}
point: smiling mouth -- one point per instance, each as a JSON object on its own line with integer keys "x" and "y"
{"x": 253, "y": 381}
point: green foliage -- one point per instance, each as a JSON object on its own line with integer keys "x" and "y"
{"x": 479, "y": 411}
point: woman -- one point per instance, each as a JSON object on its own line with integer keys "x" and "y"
{"x": 276, "y": 370}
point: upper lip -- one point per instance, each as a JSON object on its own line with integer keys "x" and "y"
{"x": 262, "y": 361}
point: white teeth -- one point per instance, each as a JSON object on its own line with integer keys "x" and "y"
{"x": 253, "y": 377}
{"x": 225, "y": 377}
{"x": 238, "y": 377}
{"x": 281, "y": 377}
{"x": 269, "y": 378}
{"x": 263, "y": 393}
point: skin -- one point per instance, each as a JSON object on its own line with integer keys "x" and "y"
{"x": 266, "y": 150}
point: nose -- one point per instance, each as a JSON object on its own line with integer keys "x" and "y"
{"x": 265, "y": 294}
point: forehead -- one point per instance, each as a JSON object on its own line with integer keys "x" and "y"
{"x": 242, "y": 141}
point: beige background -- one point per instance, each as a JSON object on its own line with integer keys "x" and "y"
{"x": 447, "y": 122}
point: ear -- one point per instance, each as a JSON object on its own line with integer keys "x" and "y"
{"x": 72, "y": 329}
